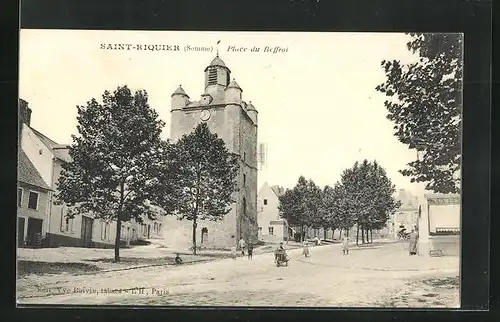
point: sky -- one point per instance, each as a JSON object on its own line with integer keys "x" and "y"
{"x": 318, "y": 108}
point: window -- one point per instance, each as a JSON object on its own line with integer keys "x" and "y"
{"x": 106, "y": 230}
{"x": 260, "y": 229}
{"x": 244, "y": 206}
{"x": 19, "y": 197}
{"x": 103, "y": 227}
{"x": 33, "y": 200}
{"x": 265, "y": 202}
{"x": 244, "y": 180}
{"x": 212, "y": 76}
{"x": 244, "y": 156}
{"x": 271, "y": 231}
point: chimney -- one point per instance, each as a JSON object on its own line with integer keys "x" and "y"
{"x": 24, "y": 112}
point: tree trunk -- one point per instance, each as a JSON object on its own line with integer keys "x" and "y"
{"x": 194, "y": 236}
{"x": 371, "y": 235}
{"x": 362, "y": 235}
{"x": 117, "y": 238}
{"x": 357, "y": 234}
{"x": 324, "y": 233}
{"x": 119, "y": 222}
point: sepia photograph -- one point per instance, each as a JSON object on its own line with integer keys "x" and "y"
{"x": 239, "y": 169}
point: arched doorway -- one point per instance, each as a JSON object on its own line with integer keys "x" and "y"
{"x": 204, "y": 235}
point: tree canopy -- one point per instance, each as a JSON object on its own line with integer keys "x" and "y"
{"x": 205, "y": 177}
{"x": 425, "y": 104}
{"x": 113, "y": 167}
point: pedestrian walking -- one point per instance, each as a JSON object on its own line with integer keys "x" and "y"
{"x": 250, "y": 250}
{"x": 305, "y": 250}
{"x": 345, "y": 245}
{"x": 241, "y": 245}
{"x": 412, "y": 243}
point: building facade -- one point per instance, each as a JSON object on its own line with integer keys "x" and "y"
{"x": 234, "y": 120}
{"x": 32, "y": 203}
{"x": 271, "y": 226}
{"x": 406, "y": 216}
{"x": 83, "y": 230}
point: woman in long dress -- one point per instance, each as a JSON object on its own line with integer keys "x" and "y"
{"x": 412, "y": 243}
{"x": 305, "y": 250}
{"x": 345, "y": 245}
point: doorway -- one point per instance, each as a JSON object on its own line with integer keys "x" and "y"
{"x": 87, "y": 225}
{"x": 20, "y": 231}
{"x": 204, "y": 235}
{"x": 34, "y": 235}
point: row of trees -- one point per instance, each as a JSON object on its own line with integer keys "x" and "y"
{"x": 364, "y": 197}
{"x": 121, "y": 169}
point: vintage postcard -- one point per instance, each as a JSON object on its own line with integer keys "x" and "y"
{"x": 162, "y": 168}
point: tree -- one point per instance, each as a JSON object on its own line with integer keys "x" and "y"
{"x": 425, "y": 103}
{"x": 365, "y": 197}
{"x": 329, "y": 214}
{"x": 288, "y": 207}
{"x": 300, "y": 205}
{"x": 112, "y": 173}
{"x": 205, "y": 175}
{"x": 345, "y": 207}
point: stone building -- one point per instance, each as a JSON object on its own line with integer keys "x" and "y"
{"x": 406, "y": 216}
{"x": 234, "y": 120}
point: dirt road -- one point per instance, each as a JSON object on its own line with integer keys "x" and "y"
{"x": 368, "y": 276}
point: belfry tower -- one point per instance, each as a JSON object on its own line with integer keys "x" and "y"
{"x": 222, "y": 107}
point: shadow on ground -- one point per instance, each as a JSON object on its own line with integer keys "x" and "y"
{"x": 25, "y": 267}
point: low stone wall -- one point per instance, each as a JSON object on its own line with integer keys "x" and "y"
{"x": 445, "y": 245}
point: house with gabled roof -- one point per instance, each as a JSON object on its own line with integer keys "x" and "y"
{"x": 32, "y": 203}
{"x": 271, "y": 226}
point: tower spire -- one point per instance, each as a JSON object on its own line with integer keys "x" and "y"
{"x": 218, "y": 42}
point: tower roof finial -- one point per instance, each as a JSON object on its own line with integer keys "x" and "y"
{"x": 218, "y": 42}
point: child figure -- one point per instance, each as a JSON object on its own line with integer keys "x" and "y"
{"x": 305, "y": 250}
{"x": 241, "y": 245}
{"x": 345, "y": 245}
{"x": 250, "y": 250}
{"x": 233, "y": 252}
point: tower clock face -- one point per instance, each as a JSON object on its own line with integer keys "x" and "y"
{"x": 205, "y": 115}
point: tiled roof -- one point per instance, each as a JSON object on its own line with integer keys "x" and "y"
{"x": 27, "y": 172}
{"x": 48, "y": 142}
{"x": 217, "y": 62}
{"x": 250, "y": 107}
{"x": 60, "y": 150}
{"x": 233, "y": 84}
{"x": 180, "y": 90}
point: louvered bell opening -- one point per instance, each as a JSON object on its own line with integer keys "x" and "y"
{"x": 212, "y": 76}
